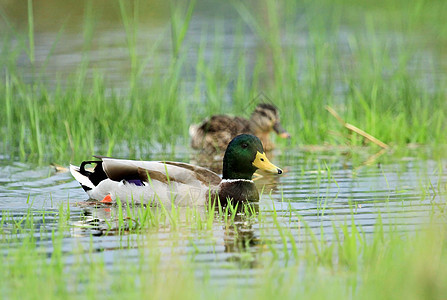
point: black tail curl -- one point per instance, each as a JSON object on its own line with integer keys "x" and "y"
{"x": 98, "y": 173}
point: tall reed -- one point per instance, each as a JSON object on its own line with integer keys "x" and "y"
{"x": 302, "y": 57}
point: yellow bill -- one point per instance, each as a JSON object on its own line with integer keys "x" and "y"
{"x": 261, "y": 162}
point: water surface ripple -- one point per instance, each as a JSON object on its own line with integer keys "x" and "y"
{"x": 317, "y": 199}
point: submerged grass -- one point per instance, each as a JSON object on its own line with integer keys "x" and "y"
{"x": 387, "y": 264}
{"x": 381, "y": 76}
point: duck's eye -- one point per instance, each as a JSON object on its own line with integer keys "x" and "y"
{"x": 244, "y": 145}
{"x": 262, "y": 159}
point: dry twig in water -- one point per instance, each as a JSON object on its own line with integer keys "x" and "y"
{"x": 356, "y": 129}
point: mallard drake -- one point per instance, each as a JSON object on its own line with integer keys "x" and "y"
{"x": 216, "y": 132}
{"x": 181, "y": 184}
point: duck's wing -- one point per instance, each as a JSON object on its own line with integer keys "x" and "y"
{"x": 220, "y": 123}
{"x": 202, "y": 174}
{"x": 164, "y": 172}
{"x": 217, "y": 132}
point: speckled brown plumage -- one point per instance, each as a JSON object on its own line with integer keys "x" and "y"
{"x": 217, "y": 131}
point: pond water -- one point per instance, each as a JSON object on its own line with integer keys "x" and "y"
{"x": 92, "y": 39}
{"x": 319, "y": 191}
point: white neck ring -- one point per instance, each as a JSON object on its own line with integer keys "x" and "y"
{"x": 236, "y": 180}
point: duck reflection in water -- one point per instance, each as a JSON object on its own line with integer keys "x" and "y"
{"x": 231, "y": 225}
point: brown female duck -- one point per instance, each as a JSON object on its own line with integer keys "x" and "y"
{"x": 217, "y": 131}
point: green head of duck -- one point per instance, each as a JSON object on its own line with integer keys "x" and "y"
{"x": 244, "y": 155}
